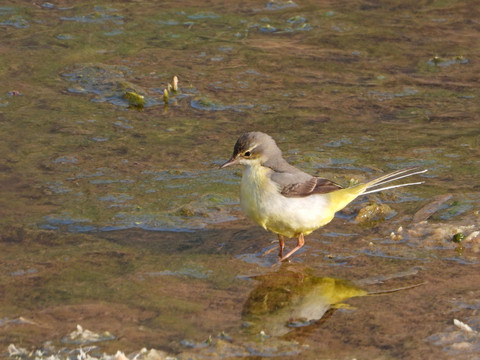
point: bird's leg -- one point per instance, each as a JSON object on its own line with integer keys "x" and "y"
{"x": 300, "y": 243}
{"x": 281, "y": 244}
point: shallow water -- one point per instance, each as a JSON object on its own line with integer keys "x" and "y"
{"x": 116, "y": 217}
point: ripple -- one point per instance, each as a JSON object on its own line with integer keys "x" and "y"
{"x": 95, "y": 18}
{"x": 16, "y": 21}
{"x": 280, "y": 5}
{"x": 205, "y": 105}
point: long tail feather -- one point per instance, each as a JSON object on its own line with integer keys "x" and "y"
{"x": 394, "y": 176}
{"x": 343, "y": 197}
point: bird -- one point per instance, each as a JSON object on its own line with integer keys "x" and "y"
{"x": 289, "y": 202}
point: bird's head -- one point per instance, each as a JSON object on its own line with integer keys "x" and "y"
{"x": 253, "y": 148}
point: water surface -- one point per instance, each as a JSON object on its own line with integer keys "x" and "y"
{"x": 116, "y": 217}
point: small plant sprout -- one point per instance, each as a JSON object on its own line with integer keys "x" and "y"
{"x": 165, "y": 96}
{"x": 175, "y": 83}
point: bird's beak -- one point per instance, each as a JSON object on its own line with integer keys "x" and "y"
{"x": 232, "y": 161}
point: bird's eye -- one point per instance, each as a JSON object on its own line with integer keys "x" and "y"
{"x": 247, "y": 154}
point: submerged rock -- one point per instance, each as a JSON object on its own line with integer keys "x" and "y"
{"x": 108, "y": 83}
{"x": 431, "y": 208}
{"x": 105, "y": 82}
{"x": 374, "y": 213}
{"x": 83, "y": 337}
{"x": 442, "y": 235}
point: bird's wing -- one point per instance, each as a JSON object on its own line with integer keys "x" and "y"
{"x": 293, "y": 182}
{"x": 312, "y": 186}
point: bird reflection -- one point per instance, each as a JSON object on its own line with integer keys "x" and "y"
{"x": 291, "y": 299}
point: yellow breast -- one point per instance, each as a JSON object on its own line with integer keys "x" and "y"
{"x": 256, "y": 193}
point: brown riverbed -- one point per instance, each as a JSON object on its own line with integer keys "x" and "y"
{"x": 116, "y": 217}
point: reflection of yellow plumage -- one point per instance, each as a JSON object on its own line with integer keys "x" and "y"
{"x": 288, "y": 201}
{"x": 288, "y": 299}
{"x": 285, "y": 299}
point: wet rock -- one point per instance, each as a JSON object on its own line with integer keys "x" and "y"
{"x": 441, "y": 235}
{"x": 135, "y": 99}
{"x": 474, "y": 241}
{"x": 374, "y": 213}
{"x": 459, "y": 340}
{"x": 438, "y": 61}
{"x": 280, "y": 5}
{"x": 83, "y": 337}
{"x": 108, "y": 83}
{"x": 428, "y": 210}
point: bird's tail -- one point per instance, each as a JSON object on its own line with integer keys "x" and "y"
{"x": 373, "y": 186}
{"x": 343, "y": 197}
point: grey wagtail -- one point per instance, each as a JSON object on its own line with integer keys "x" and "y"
{"x": 288, "y": 201}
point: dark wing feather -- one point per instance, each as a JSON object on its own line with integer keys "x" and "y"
{"x": 312, "y": 186}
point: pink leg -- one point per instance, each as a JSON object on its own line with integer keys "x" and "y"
{"x": 281, "y": 244}
{"x": 300, "y": 243}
